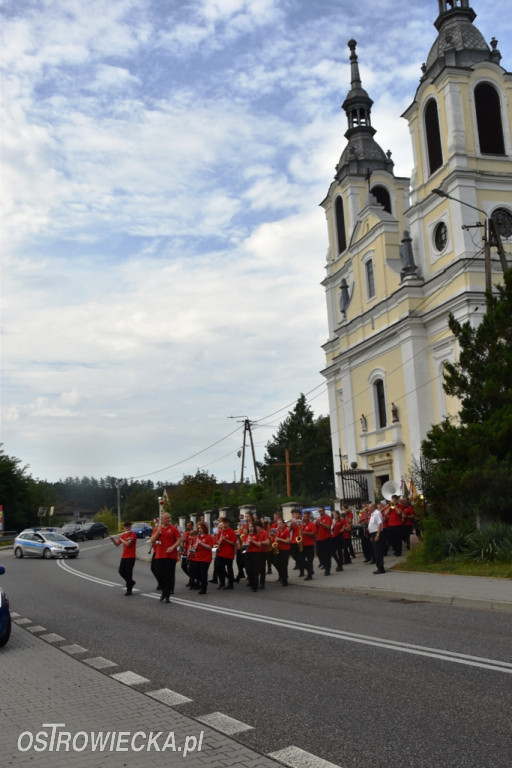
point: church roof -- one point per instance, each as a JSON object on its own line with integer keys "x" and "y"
{"x": 459, "y": 43}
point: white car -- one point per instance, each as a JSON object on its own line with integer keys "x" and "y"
{"x": 44, "y": 544}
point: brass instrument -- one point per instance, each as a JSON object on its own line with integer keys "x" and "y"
{"x": 298, "y": 539}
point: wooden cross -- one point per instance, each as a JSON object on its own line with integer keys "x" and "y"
{"x": 288, "y": 464}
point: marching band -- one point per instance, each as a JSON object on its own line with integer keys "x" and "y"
{"x": 258, "y": 545}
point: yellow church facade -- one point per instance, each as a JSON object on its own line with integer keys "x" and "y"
{"x": 405, "y": 253}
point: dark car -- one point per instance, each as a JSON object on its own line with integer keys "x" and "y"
{"x": 73, "y": 531}
{"x": 143, "y": 530}
{"x": 95, "y": 530}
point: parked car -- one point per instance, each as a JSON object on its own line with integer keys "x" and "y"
{"x": 5, "y": 615}
{"x": 73, "y": 531}
{"x": 44, "y": 544}
{"x": 143, "y": 530}
{"x": 95, "y": 530}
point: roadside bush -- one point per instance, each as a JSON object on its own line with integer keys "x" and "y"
{"x": 455, "y": 543}
{"x": 433, "y": 547}
{"x": 108, "y": 517}
{"x": 494, "y": 542}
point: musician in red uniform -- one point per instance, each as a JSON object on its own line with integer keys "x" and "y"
{"x": 226, "y": 544}
{"x": 364, "y": 519}
{"x": 165, "y": 540}
{"x": 203, "y": 544}
{"x": 337, "y": 539}
{"x": 185, "y": 546}
{"x": 324, "y": 540}
{"x": 282, "y": 539}
{"x": 251, "y": 546}
{"x": 349, "y": 516}
{"x": 240, "y": 560}
{"x": 407, "y": 520}
{"x": 394, "y": 528}
{"x": 346, "y": 536}
{"x": 308, "y": 544}
{"x": 295, "y": 526}
{"x": 128, "y": 539}
{"x": 263, "y": 537}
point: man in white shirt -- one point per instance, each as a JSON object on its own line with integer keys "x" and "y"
{"x": 375, "y": 531}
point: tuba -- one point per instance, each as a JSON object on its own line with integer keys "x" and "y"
{"x": 390, "y": 488}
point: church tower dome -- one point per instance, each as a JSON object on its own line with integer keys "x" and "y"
{"x": 459, "y": 43}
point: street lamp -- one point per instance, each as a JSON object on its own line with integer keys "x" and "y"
{"x": 487, "y": 233}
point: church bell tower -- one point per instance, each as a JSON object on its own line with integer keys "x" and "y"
{"x": 405, "y": 253}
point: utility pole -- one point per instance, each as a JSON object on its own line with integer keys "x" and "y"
{"x": 247, "y": 431}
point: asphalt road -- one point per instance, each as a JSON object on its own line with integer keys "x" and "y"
{"x": 357, "y": 681}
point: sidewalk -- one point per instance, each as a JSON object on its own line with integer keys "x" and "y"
{"x": 46, "y": 691}
{"x": 464, "y": 591}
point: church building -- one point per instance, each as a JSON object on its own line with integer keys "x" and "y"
{"x": 405, "y": 253}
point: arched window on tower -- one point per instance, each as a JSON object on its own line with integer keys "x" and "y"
{"x": 380, "y": 404}
{"x": 381, "y": 194}
{"x": 488, "y": 120}
{"x": 340, "y": 225}
{"x": 433, "y": 134}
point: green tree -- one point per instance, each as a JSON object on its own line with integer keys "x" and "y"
{"x": 21, "y": 495}
{"x": 308, "y": 441}
{"x": 108, "y": 517}
{"x": 470, "y": 458}
{"x": 141, "y": 504}
{"x": 193, "y": 494}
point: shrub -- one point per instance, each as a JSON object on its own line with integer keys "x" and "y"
{"x": 433, "y": 547}
{"x": 455, "y": 542}
{"x": 494, "y": 542}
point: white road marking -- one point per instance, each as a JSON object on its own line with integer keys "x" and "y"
{"x": 52, "y": 638}
{"x": 98, "y": 662}
{"x": 130, "y": 678}
{"x": 37, "y": 628}
{"x": 66, "y": 567}
{"x": 298, "y": 758}
{"x": 73, "y": 649}
{"x": 392, "y": 645}
{"x": 166, "y": 696}
{"x": 225, "y": 724}
{"x": 20, "y": 622}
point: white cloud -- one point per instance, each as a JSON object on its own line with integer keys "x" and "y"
{"x": 162, "y": 242}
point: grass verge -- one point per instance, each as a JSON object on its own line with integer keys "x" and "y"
{"x": 458, "y": 566}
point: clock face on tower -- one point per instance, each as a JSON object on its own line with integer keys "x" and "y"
{"x": 503, "y": 219}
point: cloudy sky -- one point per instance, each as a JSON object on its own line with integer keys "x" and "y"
{"x": 162, "y": 242}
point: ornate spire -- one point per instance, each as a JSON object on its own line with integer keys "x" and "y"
{"x": 362, "y": 154}
{"x": 357, "y": 104}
